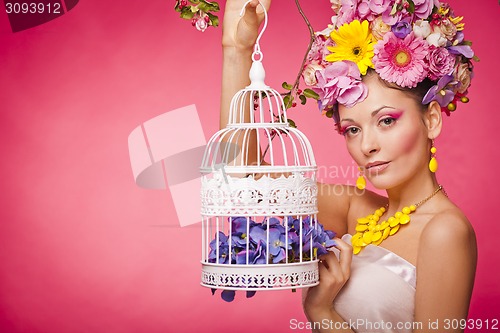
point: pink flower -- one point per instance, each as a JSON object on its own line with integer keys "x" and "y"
{"x": 347, "y": 13}
{"x": 340, "y": 82}
{"x": 379, "y": 6}
{"x": 201, "y": 23}
{"x": 369, "y": 9}
{"x": 316, "y": 49}
{"x": 440, "y": 62}
{"x": 423, "y": 8}
{"x": 364, "y": 11}
{"x": 401, "y": 61}
{"x": 319, "y": 50}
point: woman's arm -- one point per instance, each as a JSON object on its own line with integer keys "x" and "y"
{"x": 238, "y": 38}
{"x": 446, "y": 267}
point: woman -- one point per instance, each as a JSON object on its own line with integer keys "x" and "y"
{"x": 389, "y": 133}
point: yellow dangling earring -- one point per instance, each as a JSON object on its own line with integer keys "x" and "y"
{"x": 361, "y": 181}
{"x": 433, "y": 164}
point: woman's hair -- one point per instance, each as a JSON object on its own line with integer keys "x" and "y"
{"x": 416, "y": 93}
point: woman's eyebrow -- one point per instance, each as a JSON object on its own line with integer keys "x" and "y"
{"x": 373, "y": 112}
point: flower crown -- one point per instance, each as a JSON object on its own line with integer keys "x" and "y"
{"x": 404, "y": 41}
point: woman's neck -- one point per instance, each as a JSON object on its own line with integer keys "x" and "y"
{"x": 411, "y": 192}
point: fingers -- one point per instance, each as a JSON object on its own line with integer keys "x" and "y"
{"x": 345, "y": 255}
{"x": 251, "y": 18}
{"x": 341, "y": 265}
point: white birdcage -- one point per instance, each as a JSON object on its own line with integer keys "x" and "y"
{"x": 258, "y": 218}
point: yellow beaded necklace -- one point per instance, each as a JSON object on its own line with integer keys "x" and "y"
{"x": 369, "y": 231}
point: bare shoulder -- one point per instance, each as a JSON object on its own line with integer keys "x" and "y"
{"x": 447, "y": 227}
{"x": 446, "y": 266}
{"x": 450, "y": 234}
{"x": 338, "y": 204}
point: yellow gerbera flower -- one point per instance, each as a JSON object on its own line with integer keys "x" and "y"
{"x": 353, "y": 42}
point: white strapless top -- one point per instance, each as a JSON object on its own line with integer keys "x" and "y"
{"x": 380, "y": 294}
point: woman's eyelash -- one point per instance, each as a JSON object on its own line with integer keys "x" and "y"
{"x": 348, "y": 130}
{"x": 387, "y": 121}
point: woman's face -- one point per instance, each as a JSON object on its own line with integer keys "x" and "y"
{"x": 386, "y": 135}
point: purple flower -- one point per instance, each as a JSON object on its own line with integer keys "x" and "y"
{"x": 239, "y": 231}
{"x": 258, "y": 234}
{"x": 277, "y": 244}
{"x": 440, "y": 62}
{"x": 464, "y": 50}
{"x": 443, "y": 92}
{"x": 322, "y": 239}
{"x": 228, "y": 295}
{"x": 255, "y": 257}
{"x": 221, "y": 249}
{"x": 401, "y": 29}
{"x": 340, "y": 82}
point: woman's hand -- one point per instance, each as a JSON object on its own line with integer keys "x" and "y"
{"x": 333, "y": 274}
{"x": 242, "y": 32}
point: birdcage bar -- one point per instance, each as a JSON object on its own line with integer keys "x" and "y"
{"x": 244, "y": 102}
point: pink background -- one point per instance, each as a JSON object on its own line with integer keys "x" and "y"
{"x": 83, "y": 249}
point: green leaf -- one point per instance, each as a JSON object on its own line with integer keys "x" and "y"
{"x": 303, "y": 99}
{"x": 292, "y": 123}
{"x": 288, "y": 101}
{"x": 187, "y": 13}
{"x": 411, "y": 9}
{"x": 309, "y": 93}
{"x": 208, "y": 6}
{"x": 286, "y": 86}
{"x": 214, "y": 20}
{"x": 467, "y": 42}
{"x": 475, "y": 58}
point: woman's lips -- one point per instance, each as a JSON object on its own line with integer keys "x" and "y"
{"x": 376, "y": 167}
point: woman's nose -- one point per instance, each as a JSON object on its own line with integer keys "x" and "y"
{"x": 369, "y": 143}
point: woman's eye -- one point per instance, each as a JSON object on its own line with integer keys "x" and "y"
{"x": 387, "y": 121}
{"x": 351, "y": 131}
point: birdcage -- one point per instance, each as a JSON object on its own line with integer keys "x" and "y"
{"x": 259, "y": 196}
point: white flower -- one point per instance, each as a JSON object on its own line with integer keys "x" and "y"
{"x": 328, "y": 30}
{"x": 202, "y": 22}
{"x": 436, "y": 39}
{"x": 336, "y": 4}
{"x": 309, "y": 74}
{"x": 379, "y": 28}
{"x": 422, "y": 29}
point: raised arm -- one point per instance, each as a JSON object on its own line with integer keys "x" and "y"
{"x": 238, "y": 38}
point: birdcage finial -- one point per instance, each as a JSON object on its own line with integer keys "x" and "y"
{"x": 257, "y": 73}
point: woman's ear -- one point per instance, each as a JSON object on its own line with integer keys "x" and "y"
{"x": 433, "y": 120}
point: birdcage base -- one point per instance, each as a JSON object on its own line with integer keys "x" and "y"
{"x": 260, "y": 277}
